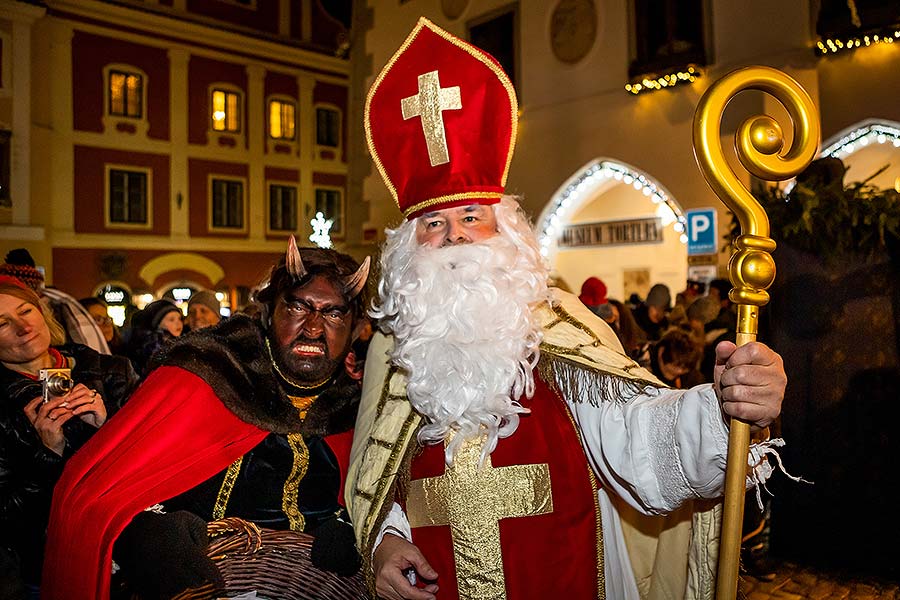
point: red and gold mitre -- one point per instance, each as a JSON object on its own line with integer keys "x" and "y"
{"x": 441, "y": 123}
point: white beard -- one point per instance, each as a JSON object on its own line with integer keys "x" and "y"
{"x": 465, "y": 331}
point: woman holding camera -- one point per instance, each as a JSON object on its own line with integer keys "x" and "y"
{"x": 52, "y": 399}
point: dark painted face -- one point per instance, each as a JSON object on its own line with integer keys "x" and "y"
{"x": 311, "y": 331}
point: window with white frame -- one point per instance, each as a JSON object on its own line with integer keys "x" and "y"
{"x": 128, "y": 197}
{"x": 328, "y": 202}
{"x": 226, "y": 110}
{"x": 281, "y": 119}
{"x": 126, "y": 94}
{"x": 228, "y": 203}
{"x": 282, "y": 207}
{"x": 328, "y": 127}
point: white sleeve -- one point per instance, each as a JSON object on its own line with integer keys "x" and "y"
{"x": 657, "y": 449}
{"x": 398, "y": 523}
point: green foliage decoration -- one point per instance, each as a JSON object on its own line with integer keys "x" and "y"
{"x": 822, "y": 216}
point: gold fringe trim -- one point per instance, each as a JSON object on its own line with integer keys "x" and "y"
{"x": 580, "y": 383}
{"x": 451, "y": 198}
{"x": 399, "y": 480}
{"x": 395, "y": 473}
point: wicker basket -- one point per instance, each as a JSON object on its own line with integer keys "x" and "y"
{"x": 275, "y": 564}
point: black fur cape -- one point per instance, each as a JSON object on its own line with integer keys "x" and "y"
{"x": 231, "y": 358}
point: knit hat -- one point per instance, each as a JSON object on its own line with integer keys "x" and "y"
{"x": 593, "y": 292}
{"x": 659, "y": 296}
{"x": 14, "y": 287}
{"x": 698, "y": 287}
{"x": 593, "y": 295}
{"x": 20, "y": 264}
{"x": 153, "y": 313}
{"x": 704, "y": 309}
{"x": 208, "y": 299}
{"x": 14, "y": 281}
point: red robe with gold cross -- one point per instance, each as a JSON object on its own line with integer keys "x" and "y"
{"x": 539, "y": 471}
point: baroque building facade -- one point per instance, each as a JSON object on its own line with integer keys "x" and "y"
{"x": 171, "y": 144}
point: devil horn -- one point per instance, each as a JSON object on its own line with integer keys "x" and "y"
{"x": 354, "y": 284}
{"x": 293, "y": 262}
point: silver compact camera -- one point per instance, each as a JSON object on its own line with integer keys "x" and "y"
{"x": 55, "y": 382}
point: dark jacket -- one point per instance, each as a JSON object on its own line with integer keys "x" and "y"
{"x": 652, "y": 330}
{"x": 143, "y": 344}
{"x": 28, "y": 469}
{"x": 159, "y": 557}
{"x": 231, "y": 358}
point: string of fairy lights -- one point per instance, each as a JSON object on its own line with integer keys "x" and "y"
{"x": 862, "y": 137}
{"x": 652, "y": 83}
{"x": 831, "y": 45}
{"x": 591, "y": 177}
{"x": 835, "y": 45}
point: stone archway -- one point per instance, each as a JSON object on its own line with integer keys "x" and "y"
{"x": 613, "y": 206}
{"x": 154, "y": 269}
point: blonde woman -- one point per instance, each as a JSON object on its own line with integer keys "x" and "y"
{"x": 37, "y": 436}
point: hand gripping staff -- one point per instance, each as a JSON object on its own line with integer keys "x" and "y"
{"x": 759, "y": 143}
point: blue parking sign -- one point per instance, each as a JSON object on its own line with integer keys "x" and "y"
{"x": 701, "y": 231}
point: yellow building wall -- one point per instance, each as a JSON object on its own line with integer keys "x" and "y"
{"x": 571, "y": 114}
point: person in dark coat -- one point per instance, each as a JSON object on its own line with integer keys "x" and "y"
{"x": 154, "y": 327}
{"x": 99, "y": 310}
{"x": 650, "y": 315}
{"x": 38, "y": 437}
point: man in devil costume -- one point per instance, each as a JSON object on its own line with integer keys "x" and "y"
{"x": 250, "y": 418}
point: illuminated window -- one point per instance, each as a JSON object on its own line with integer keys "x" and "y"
{"x": 227, "y": 203}
{"x": 328, "y": 202}
{"x": 226, "y": 111}
{"x": 282, "y": 208}
{"x": 328, "y": 127}
{"x": 127, "y": 196}
{"x": 126, "y": 92}
{"x": 281, "y": 120}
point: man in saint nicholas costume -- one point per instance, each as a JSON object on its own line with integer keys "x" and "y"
{"x": 505, "y": 446}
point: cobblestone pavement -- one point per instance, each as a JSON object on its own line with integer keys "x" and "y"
{"x": 796, "y": 583}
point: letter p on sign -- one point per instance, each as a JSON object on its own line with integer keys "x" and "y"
{"x": 701, "y": 225}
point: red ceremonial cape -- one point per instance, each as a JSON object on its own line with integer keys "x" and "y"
{"x": 173, "y": 434}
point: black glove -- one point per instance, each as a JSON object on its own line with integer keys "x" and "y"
{"x": 162, "y": 555}
{"x": 334, "y": 548}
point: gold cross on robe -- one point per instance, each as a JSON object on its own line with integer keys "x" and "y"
{"x": 429, "y": 104}
{"x": 472, "y": 501}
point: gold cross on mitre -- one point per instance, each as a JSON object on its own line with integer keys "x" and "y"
{"x": 472, "y": 499}
{"x": 428, "y": 104}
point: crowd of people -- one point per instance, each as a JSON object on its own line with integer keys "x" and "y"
{"x": 88, "y": 322}
{"x": 676, "y": 342}
{"x": 489, "y": 422}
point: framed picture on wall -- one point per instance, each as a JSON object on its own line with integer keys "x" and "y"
{"x": 636, "y": 281}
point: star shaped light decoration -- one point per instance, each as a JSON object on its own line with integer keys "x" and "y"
{"x": 321, "y": 226}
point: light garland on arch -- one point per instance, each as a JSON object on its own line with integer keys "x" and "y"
{"x": 835, "y": 45}
{"x": 861, "y": 137}
{"x": 595, "y": 174}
